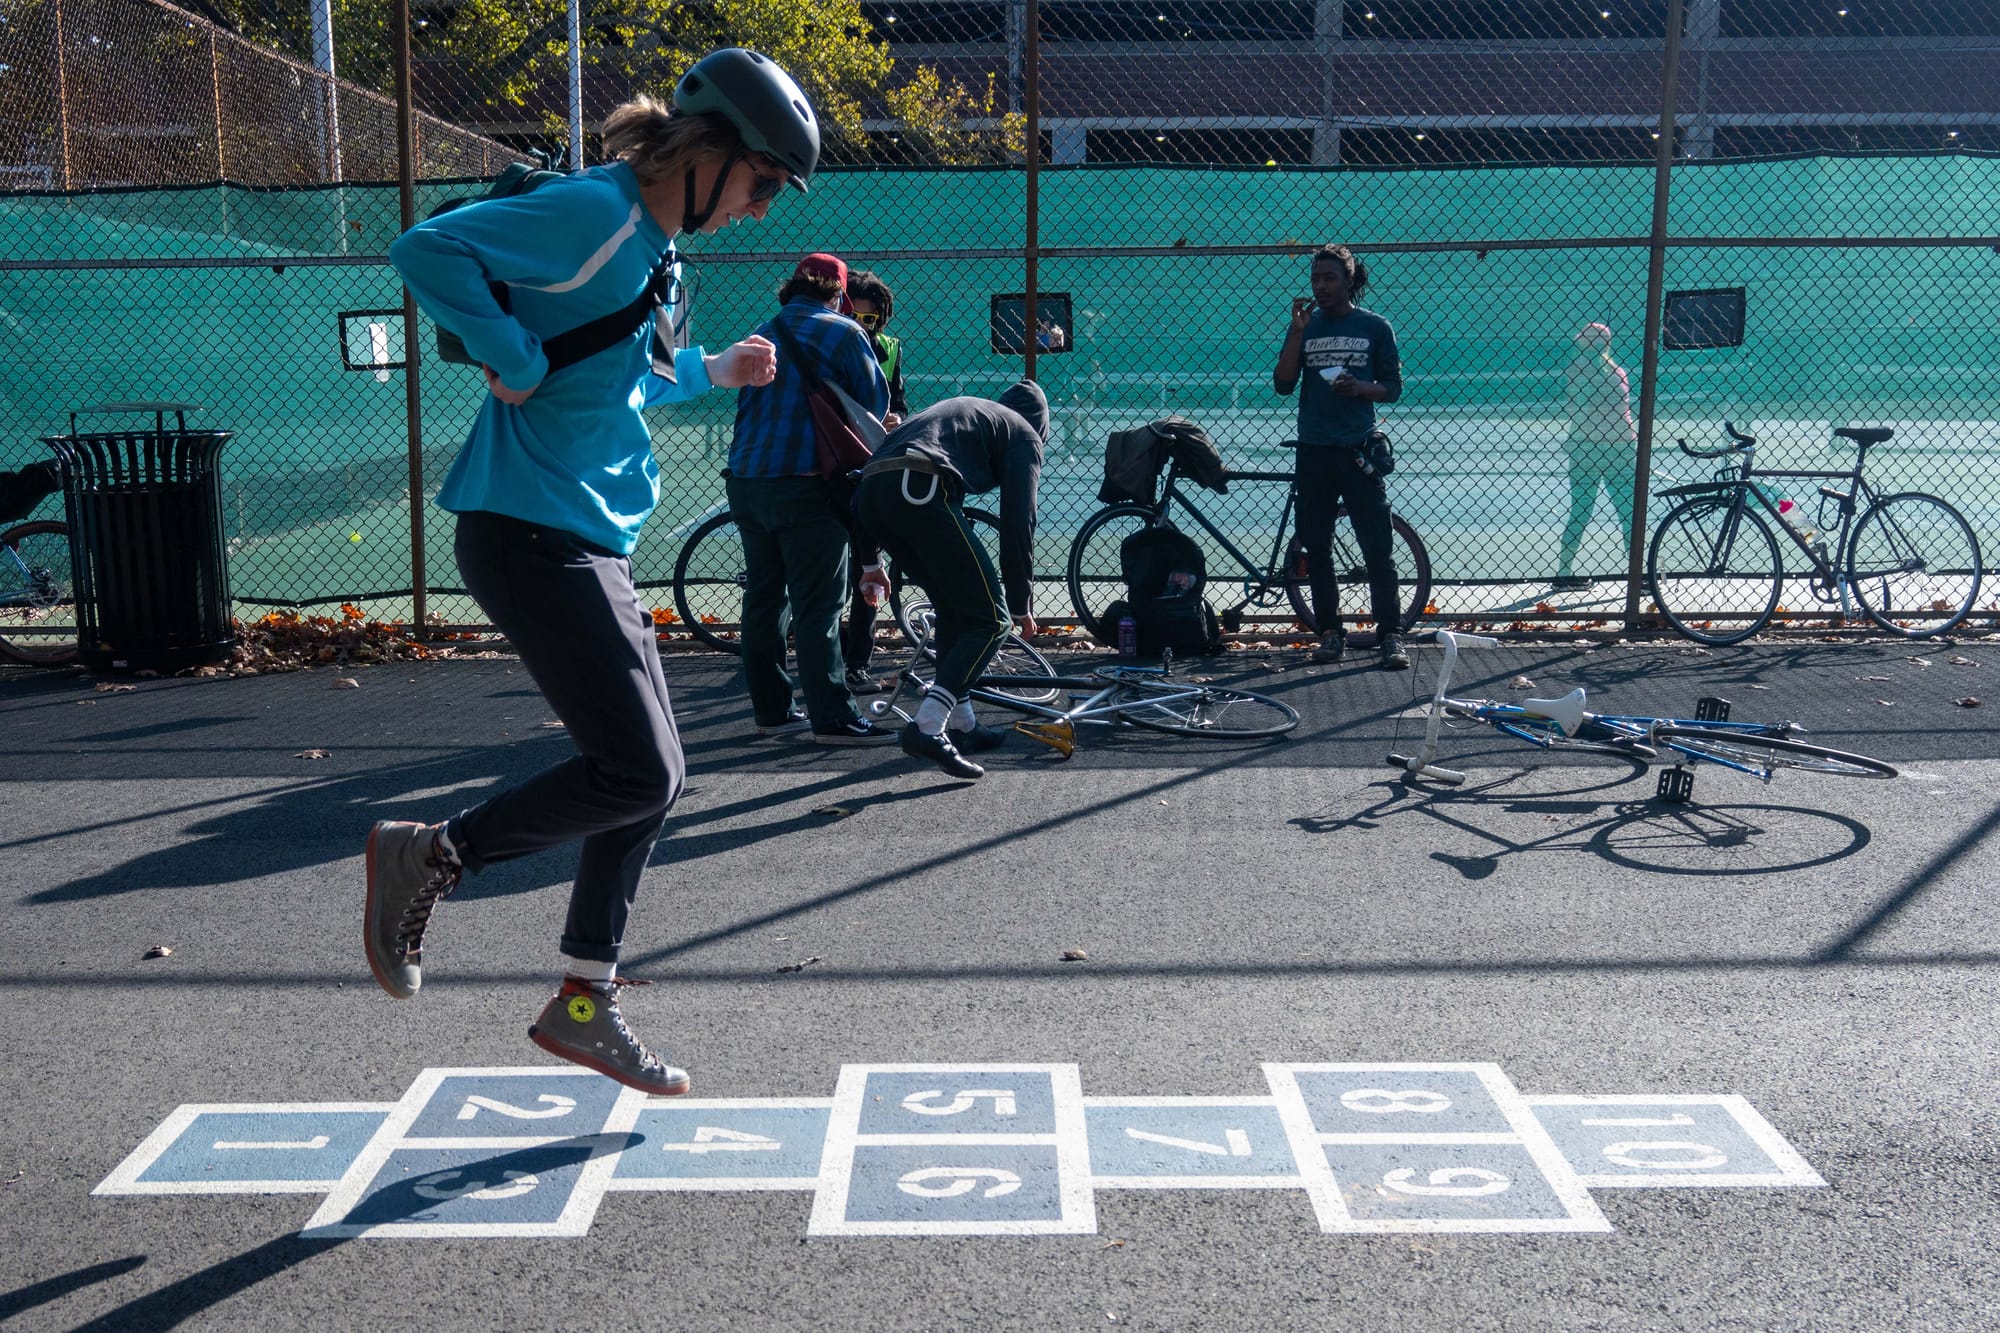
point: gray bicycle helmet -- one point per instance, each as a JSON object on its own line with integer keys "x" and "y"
{"x": 769, "y": 112}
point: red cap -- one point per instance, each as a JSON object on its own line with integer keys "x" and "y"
{"x": 828, "y": 266}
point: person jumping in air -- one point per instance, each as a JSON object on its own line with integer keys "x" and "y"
{"x": 551, "y": 489}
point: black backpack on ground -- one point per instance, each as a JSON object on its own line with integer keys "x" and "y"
{"x": 1165, "y": 573}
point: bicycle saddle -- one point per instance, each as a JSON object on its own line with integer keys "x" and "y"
{"x": 1864, "y": 435}
{"x": 1566, "y": 712}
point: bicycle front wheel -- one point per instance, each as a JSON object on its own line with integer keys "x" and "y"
{"x": 1914, "y": 565}
{"x": 709, "y": 578}
{"x": 1713, "y": 555}
{"x": 1096, "y": 577}
{"x": 1413, "y": 570}
{"x": 1182, "y": 710}
{"x": 1015, "y": 658}
{"x": 1766, "y": 755}
{"x": 37, "y": 596}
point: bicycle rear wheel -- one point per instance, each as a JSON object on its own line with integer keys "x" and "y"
{"x": 1710, "y": 554}
{"x": 1914, "y": 565}
{"x": 1765, "y": 755}
{"x": 1096, "y": 577}
{"x": 1215, "y": 713}
{"x": 709, "y": 578}
{"x": 37, "y": 595}
{"x": 1015, "y": 658}
{"x": 1413, "y": 571}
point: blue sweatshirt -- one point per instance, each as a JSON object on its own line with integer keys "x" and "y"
{"x": 577, "y": 456}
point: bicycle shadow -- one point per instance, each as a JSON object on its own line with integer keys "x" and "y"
{"x": 1646, "y": 833}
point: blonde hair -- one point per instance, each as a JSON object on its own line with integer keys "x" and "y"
{"x": 658, "y": 143}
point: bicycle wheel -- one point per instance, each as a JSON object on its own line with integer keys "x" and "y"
{"x": 37, "y": 596}
{"x": 1765, "y": 755}
{"x": 1016, "y": 657}
{"x": 708, "y": 582}
{"x": 1712, "y": 554}
{"x": 1913, "y": 563}
{"x": 1413, "y": 570}
{"x": 918, "y": 631}
{"x": 1212, "y": 712}
{"x": 1096, "y": 579}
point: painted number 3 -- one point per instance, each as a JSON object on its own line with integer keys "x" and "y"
{"x": 1383, "y": 1101}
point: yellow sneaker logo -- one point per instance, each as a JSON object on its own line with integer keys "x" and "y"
{"x": 582, "y": 1008}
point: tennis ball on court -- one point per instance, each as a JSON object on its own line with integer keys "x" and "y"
{"x": 354, "y": 537}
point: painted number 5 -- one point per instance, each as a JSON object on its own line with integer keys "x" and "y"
{"x": 1002, "y": 1098}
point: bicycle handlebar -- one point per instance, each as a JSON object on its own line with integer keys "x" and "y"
{"x": 1742, "y": 442}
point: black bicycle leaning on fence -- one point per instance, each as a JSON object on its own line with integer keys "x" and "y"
{"x": 1908, "y": 560}
{"x": 1096, "y": 579}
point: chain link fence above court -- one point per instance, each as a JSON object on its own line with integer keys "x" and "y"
{"x": 1824, "y": 255}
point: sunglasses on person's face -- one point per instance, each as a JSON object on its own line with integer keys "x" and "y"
{"x": 869, "y": 319}
{"x": 763, "y": 189}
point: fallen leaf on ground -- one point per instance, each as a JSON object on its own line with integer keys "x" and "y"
{"x": 313, "y": 754}
{"x": 1962, "y": 661}
{"x": 557, "y": 725}
{"x": 1967, "y": 702}
{"x": 106, "y": 687}
{"x": 91, "y": 702}
{"x": 1760, "y": 687}
{"x": 1886, "y": 703}
{"x": 346, "y": 683}
{"x": 159, "y": 951}
{"x": 801, "y": 965}
{"x": 1871, "y": 678}
{"x": 1920, "y": 661}
{"x": 1075, "y": 956}
{"x": 1520, "y": 683}
{"x": 833, "y": 811}
{"x": 1112, "y": 1245}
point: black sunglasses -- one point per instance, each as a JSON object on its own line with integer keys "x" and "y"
{"x": 764, "y": 188}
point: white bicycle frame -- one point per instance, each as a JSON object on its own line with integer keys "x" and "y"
{"x": 1566, "y": 712}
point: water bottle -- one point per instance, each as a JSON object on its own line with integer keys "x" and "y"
{"x": 1128, "y": 636}
{"x": 1794, "y": 518}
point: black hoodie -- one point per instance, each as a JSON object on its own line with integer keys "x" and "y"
{"x": 983, "y": 443}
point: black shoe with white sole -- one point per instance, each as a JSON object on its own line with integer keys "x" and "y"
{"x": 940, "y": 751}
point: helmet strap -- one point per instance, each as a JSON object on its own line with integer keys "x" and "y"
{"x": 691, "y": 220}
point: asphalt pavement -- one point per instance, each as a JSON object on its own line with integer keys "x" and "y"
{"x": 1540, "y": 1052}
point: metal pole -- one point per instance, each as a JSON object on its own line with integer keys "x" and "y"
{"x": 215, "y": 91}
{"x": 62, "y": 97}
{"x": 576, "y": 85}
{"x": 1656, "y": 278}
{"x": 329, "y": 100}
{"x": 413, "y": 415}
{"x": 1033, "y": 89}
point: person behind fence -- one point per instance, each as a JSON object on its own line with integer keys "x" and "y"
{"x": 1350, "y": 363}
{"x": 793, "y": 524}
{"x": 911, "y": 502}
{"x": 1603, "y": 443}
{"x": 874, "y": 305}
{"x": 551, "y": 489}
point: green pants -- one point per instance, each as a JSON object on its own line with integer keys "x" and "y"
{"x": 935, "y": 548}
{"x": 794, "y": 551}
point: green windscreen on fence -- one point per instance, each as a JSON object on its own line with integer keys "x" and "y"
{"x": 316, "y": 482}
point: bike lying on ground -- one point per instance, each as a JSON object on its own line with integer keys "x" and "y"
{"x": 37, "y": 597}
{"x": 1146, "y": 698}
{"x": 1759, "y": 749}
{"x": 1909, "y": 560}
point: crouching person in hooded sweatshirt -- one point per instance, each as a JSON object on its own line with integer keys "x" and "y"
{"x": 911, "y": 504}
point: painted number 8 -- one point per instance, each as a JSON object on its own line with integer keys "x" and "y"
{"x": 1384, "y": 1101}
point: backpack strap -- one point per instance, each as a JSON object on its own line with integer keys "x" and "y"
{"x": 587, "y": 340}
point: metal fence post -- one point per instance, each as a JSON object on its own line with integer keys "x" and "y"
{"x": 1032, "y": 247}
{"x": 215, "y": 94}
{"x": 406, "y": 192}
{"x": 1656, "y": 274}
{"x": 62, "y": 97}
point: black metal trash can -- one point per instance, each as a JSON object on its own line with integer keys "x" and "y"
{"x": 145, "y": 522}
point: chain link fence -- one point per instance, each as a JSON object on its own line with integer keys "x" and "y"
{"x": 1819, "y": 251}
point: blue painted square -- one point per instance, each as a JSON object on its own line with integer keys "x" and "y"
{"x": 1665, "y": 1138}
{"x": 1389, "y": 1101}
{"x": 754, "y": 1142}
{"x": 955, "y": 1183}
{"x": 265, "y": 1145}
{"x": 520, "y": 1186}
{"x": 980, "y": 1102}
{"x": 1212, "y": 1141}
{"x": 1442, "y": 1182}
{"x": 473, "y": 1106}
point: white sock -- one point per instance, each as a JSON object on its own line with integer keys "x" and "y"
{"x": 585, "y": 969}
{"x": 962, "y": 717}
{"x": 934, "y": 712}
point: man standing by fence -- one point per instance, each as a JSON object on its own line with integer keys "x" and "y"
{"x": 1603, "y": 444}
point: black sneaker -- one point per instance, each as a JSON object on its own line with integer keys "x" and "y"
{"x": 1569, "y": 583}
{"x": 1390, "y": 653}
{"x": 1332, "y": 647}
{"x": 860, "y": 682}
{"x": 860, "y": 731}
{"x": 975, "y": 739}
{"x": 793, "y": 721}
{"x": 940, "y": 751}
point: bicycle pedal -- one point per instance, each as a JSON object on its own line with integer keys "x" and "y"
{"x": 1708, "y": 708}
{"x": 1058, "y": 736}
{"x": 1676, "y": 784}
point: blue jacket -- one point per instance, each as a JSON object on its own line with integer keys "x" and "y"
{"x": 577, "y": 456}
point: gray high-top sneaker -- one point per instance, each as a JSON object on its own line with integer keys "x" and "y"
{"x": 582, "y": 1024}
{"x": 407, "y": 877}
